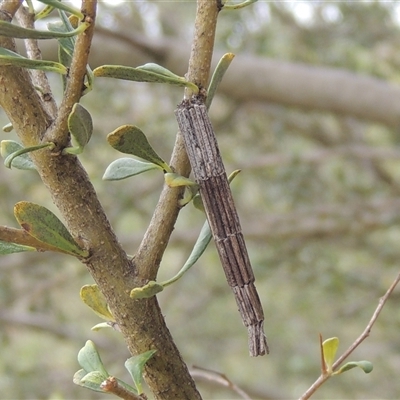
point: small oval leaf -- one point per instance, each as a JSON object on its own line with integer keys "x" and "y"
{"x": 175, "y": 180}
{"x": 92, "y": 297}
{"x": 92, "y": 380}
{"x": 330, "y": 347}
{"x": 127, "y": 167}
{"x": 129, "y": 139}
{"x": 366, "y": 366}
{"x": 146, "y": 291}
{"x": 43, "y": 225}
{"x": 135, "y": 366}
{"x": 89, "y": 359}
{"x": 80, "y": 126}
{"x": 100, "y": 326}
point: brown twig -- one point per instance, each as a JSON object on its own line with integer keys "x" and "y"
{"x": 154, "y": 243}
{"x": 324, "y": 377}
{"x": 219, "y": 378}
{"x": 9, "y": 8}
{"x": 20, "y": 236}
{"x": 39, "y": 78}
{"x": 111, "y": 385}
{"x": 58, "y": 133}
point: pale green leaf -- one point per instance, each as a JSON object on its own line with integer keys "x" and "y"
{"x": 146, "y": 291}
{"x": 199, "y": 247}
{"x": 8, "y": 57}
{"x": 100, "y": 326}
{"x": 217, "y": 76}
{"x": 330, "y": 347}
{"x": 237, "y": 6}
{"x": 127, "y": 167}
{"x": 93, "y": 298}
{"x": 8, "y": 127}
{"x": 145, "y": 73}
{"x": 44, "y": 13}
{"x": 135, "y": 366}
{"x": 23, "y": 161}
{"x": 366, "y": 366}
{"x": 10, "y": 248}
{"x": 129, "y": 139}
{"x": 63, "y": 6}
{"x": 89, "y": 359}
{"x": 43, "y": 225}
{"x": 175, "y": 180}
{"x": 80, "y": 125}
{"x": 68, "y": 43}
{"x": 15, "y": 31}
{"x": 91, "y": 380}
{"x": 8, "y": 162}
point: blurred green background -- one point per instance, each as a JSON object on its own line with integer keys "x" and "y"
{"x": 317, "y": 197}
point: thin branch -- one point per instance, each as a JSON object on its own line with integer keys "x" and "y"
{"x": 367, "y": 330}
{"x": 19, "y": 236}
{"x": 58, "y": 133}
{"x": 111, "y": 385}
{"x": 9, "y": 8}
{"x": 39, "y": 77}
{"x": 41, "y": 322}
{"x": 324, "y": 377}
{"x": 154, "y": 243}
{"x": 218, "y": 378}
{"x": 358, "y": 152}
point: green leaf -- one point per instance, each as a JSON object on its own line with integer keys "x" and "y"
{"x": 80, "y": 125}
{"x": 198, "y": 249}
{"x": 366, "y": 366}
{"x": 330, "y": 347}
{"x": 10, "y": 248}
{"x": 18, "y": 32}
{"x": 8, "y": 57}
{"x": 44, "y": 13}
{"x": 62, "y": 6}
{"x": 217, "y": 76}
{"x": 100, "y": 326}
{"x": 89, "y": 359}
{"x": 238, "y": 5}
{"x": 152, "y": 73}
{"x": 92, "y": 297}
{"x": 24, "y": 150}
{"x": 175, "y": 180}
{"x": 68, "y": 43}
{"x": 43, "y": 225}
{"x": 91, "y": 380}
{"x": 135, "y": 366}
{"x": 146, "y": 291}
{"x": 129, "y": 139}
{"x": 127, "y": 167}
{"x": 22, "y": 161}
{"x": 8, "y": 127}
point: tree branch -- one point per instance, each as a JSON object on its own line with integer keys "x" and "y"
{"x": 58, "y": 133}
{"x": 261, "y": 79}
{"x": 141, "y": 321}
